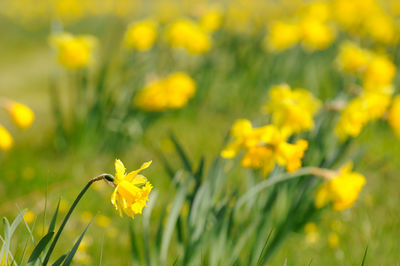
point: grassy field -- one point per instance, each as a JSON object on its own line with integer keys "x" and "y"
{"x": 34, "y": 175}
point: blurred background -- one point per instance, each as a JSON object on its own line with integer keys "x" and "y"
{"x": 233, "y": 70}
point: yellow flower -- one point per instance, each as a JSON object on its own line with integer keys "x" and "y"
{"x": 394, "y": 115}
{"x": 316, "y": 35}
{"x": 6, "y": 140}
{"x": 292, "y": 110}
{"x": 172, "y": 92}
{"x": 211, "y": 20}
{"x": 73, "y": 52}
{"x": 132, "y": 190}
{"x": 381, "y": 28}
{"x": 141, "y": 35}
{"x": 353, "y": 59}
{"x": 312, "y": 234}
{"x": 188, "y": 35}
{"x": 342, "y": 189}
{"x": 21, "y": 115}
{"x": 333, "y": 240}
{"x": 361, "y": 110}
{"x": 379, "y": 73}
{"x": 103, "y": 221}
{"x": 282, "y": 35}
{"x": 264, "y": 147}
{"x": 29, "y": 217}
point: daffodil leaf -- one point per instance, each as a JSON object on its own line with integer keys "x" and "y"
{"x": 60, "y": 260}
{"x": 71, "y": 254}
{"x": 184, "y": 158}
{"x": 39, "y": 248}
{"x": 54, "y": 218}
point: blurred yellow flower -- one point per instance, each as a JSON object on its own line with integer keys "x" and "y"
{"x": 381, "y": 28}
{"x": 342, "y": 189}
{"x": 102, "y": 221}
{"x": 353, "y": 59}
{"x": 312, "y": 234}
{"x": 189, "y": 35}
{"x": 292, "y": 110}
{"x": 6, "y": 140}
{"x": 282, "y": 35}
{"x": 73, "y": 52}
{"x": 132, "y": 190}
{"x": 211, "y": 20}
{"x": 141, "y": 35}
{"x": 316, "y": 35}
{"x": 360, "y": 111}
{"x": 172, "y": 92}
{"x": 394, "y": 115}
{"x": 29, "y": 217}
{"x": 21, "y": 115}
{"x": 379, "y": 72}
{"x": 264, "y": 147}
{"x": 333, "y": 240}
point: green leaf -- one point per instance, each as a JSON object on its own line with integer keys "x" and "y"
{"x": 39, "y": 248}
{"x": 172, "y": 219}
{"x": 365, "y": 256}
{"x": 60, "y": 260}
{"x": 134, "y": 247}
{"x": 71, "y": 254}
{"x": 184, "y": 158}
{"x": 54, "y": 219}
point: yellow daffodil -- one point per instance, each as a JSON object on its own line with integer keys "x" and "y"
{"x": 131, "y": 190}
{"x": 312, "y": 234}
{"x": 282, "y": 35}
{"x": 394, "y": 115}
{"x": 73, "y": 52}
{"x": 29, "y": 217}
{"x": 341, "y": 189}
{"x": 6, "y": 140}
{"x": 20, "y": 114}
{"x": 141, "y": 35}
{"x": 379, "y": 72}
{"x": 333, "y": 240}
{"x": 360, "y": 111}
{"x": 172, "y": 92}
{"x": 353, "y": 59}
{"x": 211, "y": 20}
{"x": 316, "y": 35}
{"x": 292, "y": 110}
{"x": 264, "y": 147}
{"x": 188, "y": 35}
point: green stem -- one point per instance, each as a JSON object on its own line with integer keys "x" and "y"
{"x": 78, "y": 198}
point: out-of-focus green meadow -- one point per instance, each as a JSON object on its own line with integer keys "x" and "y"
{"x": 232, "y": 82}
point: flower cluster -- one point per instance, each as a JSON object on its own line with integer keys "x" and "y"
{"x": 341, "y": 188}
{"x": 73, "y": 52}
{"x": 188, "y": 35}
{"x": 312, "y": 28}
{"x": 292, "y": 110}
{"x": 264, "y": 147}
{"x": 131, "y": 190}
{"x": 172, "y": 92}
{"x": 20, "y": 114}
{"x": 377, "y": 73}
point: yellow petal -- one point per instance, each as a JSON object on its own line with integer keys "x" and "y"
{"x": 119, "y": 171}
{"x": 133, "y": 174}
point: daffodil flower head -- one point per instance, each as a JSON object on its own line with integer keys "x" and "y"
{"x": 6, "y": 140}
{"x": 282, "y": 36}
{"x": 73, "y": 52}
{"x": 292, "y": 110}
{"x": 20, "y": 114}
{"x": 316, "y": 35}
{"x": 341, "y": 190}
{"x": 132, "y": 190}
{"x": 353, "y": 59}
{"x": 141, "y": 35}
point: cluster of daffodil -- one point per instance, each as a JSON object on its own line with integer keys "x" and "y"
{"x": 292, "y": 112}
{"x": 311, "y": 27}
{"x": 171, "y": 92}
{"x": 20, "y": 114}
{"x": 376, "y": 72}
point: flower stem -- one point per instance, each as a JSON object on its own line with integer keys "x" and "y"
{"x": 78, "y": 198}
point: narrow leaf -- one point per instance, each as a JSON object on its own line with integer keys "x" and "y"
{"x": 181, "y": 153}
{"x": 40, "y": 247}
{"x": 365, "y": 256}
{"x": 60, "y": 260}
{"x": 54, "y": 219}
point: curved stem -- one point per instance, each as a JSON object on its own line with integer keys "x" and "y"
{"x": 78, "y": 198}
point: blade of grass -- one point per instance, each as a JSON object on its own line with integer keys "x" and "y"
{"x": 39, "y": 248}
